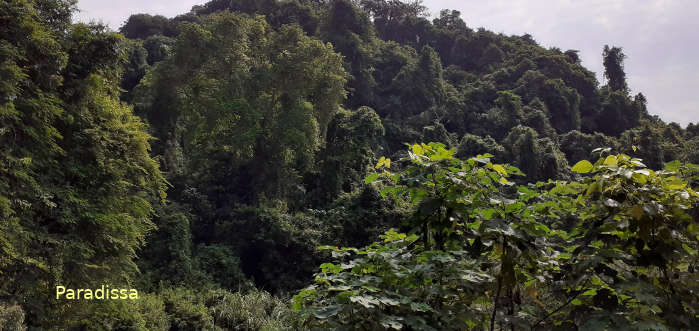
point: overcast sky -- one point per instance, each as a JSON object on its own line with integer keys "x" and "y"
{"x": 659, "y": 37}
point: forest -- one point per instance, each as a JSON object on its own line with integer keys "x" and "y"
{"x": 333, "y": 164}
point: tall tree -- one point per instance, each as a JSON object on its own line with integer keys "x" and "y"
{"x": 349, "y": 151}
{"x": 613, "y": 60}
{"x": 76, "y": 178}
{"x": 248, "y": 105}
{"x": 349, "y": 30}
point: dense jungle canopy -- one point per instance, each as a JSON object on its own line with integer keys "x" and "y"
{"x": 333, "y": 164}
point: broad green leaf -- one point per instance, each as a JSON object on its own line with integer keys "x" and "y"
{"x": 602, "y": 150}
{"x": 673, "y": 166}
{"x": 504, "y": 181}
{"x": 391, "y": 322}
{"x": 365, "y": 300}
{"x": 371, "y": 178}
{"x": 381, "y": 162}
{"x": 675, "y": 183}
{"x": 593, "y": 188}
{"x": 477, "y": 224}
{"x": 328, "y": 311}
{"x": 610, "y": 160}
{"x": 582, "y": 167}
{"x": 389, "y": 301}
{"x": 386, "y": 190}
{"x": 611, "y": 203}
{"x": 639, "y": 178}
{"x": 419, "y": 306}
{"x": 417, "y": 149}
{"x": 500, "y": 169}
{"x": 489, "y": 213}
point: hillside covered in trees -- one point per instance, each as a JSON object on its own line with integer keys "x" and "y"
{"x": 333, "y": 164}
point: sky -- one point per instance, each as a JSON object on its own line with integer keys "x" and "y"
{"x": 658, "y": 37}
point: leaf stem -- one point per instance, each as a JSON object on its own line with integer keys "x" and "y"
{"x": 562, "y": 306}
{"x": 495, "y": 303}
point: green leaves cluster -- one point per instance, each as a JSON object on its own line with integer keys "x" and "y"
{"x": 232, "y": 87}
{"x": 391, "y": 284}
{"x": 615, "y": 249}
{"x": 76, "y": 177}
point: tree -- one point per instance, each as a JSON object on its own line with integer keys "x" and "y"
{"x": 240, "y": 95}
{"x": 399, "y": 21}
{"x": 573, "y": 56}
{"x": 420, "y": 86}
{"x": 491, "y": 56}
{"x": 157, "y": 48}
{"x": 142, "y": 26}
{"x": 349, "y": 30}
{"x": 502, "y": 118}
{"x": 472, "y": 145}
{"x": 450, "y": 20}
{"x": 135, "y": 68}
{"x": 349, "y": 151}
{"x": 620, "y": 113}
{"x": 578, "y": 146}
{"x": 76, "y": 198}
{"x": 613, "y": 60}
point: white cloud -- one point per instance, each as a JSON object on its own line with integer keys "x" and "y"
{"x": 115, "y": 12}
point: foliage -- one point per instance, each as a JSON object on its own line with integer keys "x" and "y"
{"x": 476, "y": 145}
{"x": 275, "y": 247}
{"x": 614, "y": 249}
{"x": 253, "y": 85}
{"x": 266, "y": 117}
{"x": 614, "y": 68}
{"x": 349, "y": 150}
{"x": 186, "y": 310}
{"x": 142, "y": 26}
{"x": 218, "y": 309}
{"x": 11, "y": 318}
{"x": 76, "y": 176}
{"x": 255, "y": 310}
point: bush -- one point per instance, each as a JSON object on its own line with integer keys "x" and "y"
{"x": 186, "y": 310}
{"x": 255, "y": 310}
{"x": 11, "y": 318}
{"x": 614, "y": 249}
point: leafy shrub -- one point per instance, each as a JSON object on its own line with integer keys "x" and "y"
{"x": 11, "y": 318}
{"x": 105, "y": 315}
{"x": 255, "y": 310}
{"x": 152, "y": 309}
{"x": 614, "y": 249}
{"x": 186, "y": 310}
{"x": 221, "y": 264}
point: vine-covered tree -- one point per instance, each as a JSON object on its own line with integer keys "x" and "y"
{"x": 77, "y": 180}
{"x": 252, "y": 86}
{"x": 613, "y": 60}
